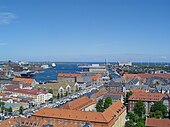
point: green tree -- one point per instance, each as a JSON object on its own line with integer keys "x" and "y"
{"x": 21, "y": 109}
{"x": 140, "y": 108}
{"x": 61, "y": 95}
{"x": 133, "y": 117}
{"x": 2, "y": 108}
{"x": 2, "y": 104}
{"x": 159, "y": 106}
{"x": 10, "y": 109}
{"x": 140, "y": 124}
{"x": 58, "y": 96}
{"x": 99, "y": 106}
{"x": 107, "y": 102}
{"x": 66, "y": 93}
{"x": 129, "y": 123}
{"x": 128, "y": 94}
{"x": 110, "y": 76}
{"x": 50, "y": 91}
{"x": 51, "y": 99}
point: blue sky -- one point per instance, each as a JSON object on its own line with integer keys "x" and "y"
{"x": 85, "y": 30}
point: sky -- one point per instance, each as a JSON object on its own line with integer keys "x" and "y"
{"x": 85, "y": 30}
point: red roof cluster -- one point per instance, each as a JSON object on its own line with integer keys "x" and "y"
{"x": 166, "y": 76}
{"x": 26, "y": 91}
{"x": 153, "y": 122}
{"x": 146, "y": 97}
{"x": 79, "y": 103}
{"x": 24, "y": 80}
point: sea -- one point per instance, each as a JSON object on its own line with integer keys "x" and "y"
{"x": 51, "y": 73}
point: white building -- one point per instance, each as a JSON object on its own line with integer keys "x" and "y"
{"x": 128, "y": 63}
{"x": 38, "y": 96}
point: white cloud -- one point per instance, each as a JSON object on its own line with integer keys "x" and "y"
{"x": 7, "y": 17}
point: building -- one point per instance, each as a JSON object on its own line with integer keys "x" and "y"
{"x": 147, "y": 78}
{"x": 125, "y": 63}
{"x": 28, "y": 81}
{"x": 83, "y": 104}
{"x": 148, "y": 98}
{"x": 63, "y": 77}
{"x": 114, "y": 116}
{"x": 100, "y": 94}
{"x": 153, "y": 122}
{"x": 94, "y": 69}
{"x": 38, "y": 96}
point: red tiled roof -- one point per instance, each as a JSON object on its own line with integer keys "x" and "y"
{"x": 16, "y": 86}
{"x": 25, "y": 91}
{"x": 118, "y": 93}
{"x": 135, "y": 90}
{"x": 153, "y": 122}
{"x": 109, "y": 114}
{"x": 25, "y": 80}
{"x": 43, "y": 117}
{"x": 116, "y": 108}
{"x": 79, "y": 103}
{"x": 146, "y": 96}
{"x": 167, "y": 76}
{"x": 95, "y": 77}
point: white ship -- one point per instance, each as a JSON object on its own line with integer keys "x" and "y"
{"x": 53, "y": 65}
{"x": 45, "y": 66}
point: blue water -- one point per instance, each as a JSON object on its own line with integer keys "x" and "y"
{"x": 51, "y": 73}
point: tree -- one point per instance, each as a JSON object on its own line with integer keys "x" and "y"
{"x": 110, "y": 76}
{"x": 61, "y": 95}
{"x": 2, "y": 104}
{"x": 51, "y": 100}
{"x": 129, "y": 123}
{"x": 10, "y": 109}
{"x": 133, "y": 117}
{"x": 140, "y": 108}
{"x": 50, "y": 91}
{"x": 140, "y": 124}
{"x": 58, "y": 96}
{"x": 99, "y": 106}
{"x": 127, "y": 96}
{"x": 66, "y": 93}
{"x": 107, "y": 102}
{"x": 159, "y": 106}
{"x": 21, "y": 109}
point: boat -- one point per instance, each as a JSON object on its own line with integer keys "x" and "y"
{"x": 45, "y": 66}
{"x": 53, "y": 65}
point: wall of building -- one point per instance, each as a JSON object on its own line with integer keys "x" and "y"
{"x": 90, "y": 108}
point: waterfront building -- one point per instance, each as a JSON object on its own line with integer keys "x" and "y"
{"x": 94, "y": 68}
